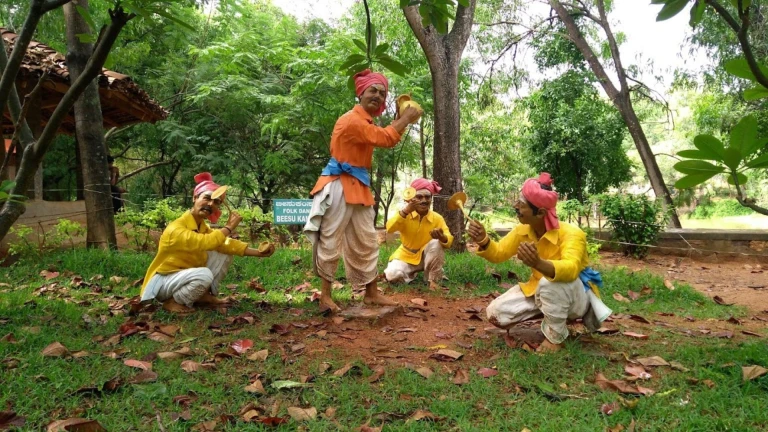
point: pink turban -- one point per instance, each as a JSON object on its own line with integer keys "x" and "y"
{"x": 542, "y": 198}
{"x": 421, "y": 183}
{"x": 365, "y": 79}
{"x": 204, "y": 184}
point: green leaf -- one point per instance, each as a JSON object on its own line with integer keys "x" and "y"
{"x": 742, "y": 179}
{"x": 357, "y": 68}
{"x": 381, "y": 49}
{"x": 392, "y": 64}
{"x": 692, "y": 180}
{"x": 658, "y": 2}
{"x": 672, "y": 8}
{"x": 464, "y": 3}
{"x": 740, "y": 68}
{"x": 732, "y": 158}
{"x": 440, "y": 23}
{"x": 755, "y": 93}
{"x": 697, "y": 167}
{"x": 351, "y": 83}
{"x": 360, "y": 44}
{"x": 169, "y": 16}
{"x": 694, "y": 154}
{"x": 353, "y": 59}
{"x": 404, "y": 3}
{"x": 697, "y": 13}
{"x": 759, "y": 162}
{"x": 284, "y": 384}
{"x": 137, "y": 10}
{"x": 87, "y": 38}
{"x": 744, "y": 134}
{"x": 425, "y": 11}
{"x": 710, "y": 145}
{"x": 86, "y": 16}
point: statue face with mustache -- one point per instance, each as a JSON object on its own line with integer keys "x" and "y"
{"x": 203, "y": 206}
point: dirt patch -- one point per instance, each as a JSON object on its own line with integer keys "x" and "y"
{"x": 740, "y": 281}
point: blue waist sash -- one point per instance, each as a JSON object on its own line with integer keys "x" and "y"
{"x": 589, "y": 277}
{"x": 335, "y": 167}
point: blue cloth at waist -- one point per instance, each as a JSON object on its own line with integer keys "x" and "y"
{"x": 591, "y": 276}
{"x": 335, "y": 167}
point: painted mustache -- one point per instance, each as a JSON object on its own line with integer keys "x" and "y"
{"x": 207, "y": 208}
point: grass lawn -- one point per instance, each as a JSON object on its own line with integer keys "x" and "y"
{"x": 704, "y": 391}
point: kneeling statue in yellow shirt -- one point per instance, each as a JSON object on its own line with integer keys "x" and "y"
{"x": 424, "y": 236}
{"x": 192, "y": 259}
{"x": 562, "y": 287}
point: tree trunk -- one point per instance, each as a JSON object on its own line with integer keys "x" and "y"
{"x": 443, "y": 54}
{"x": 620, "y": 96}
{"x": 423, "y": 148}
{"x": 89, "y": 126}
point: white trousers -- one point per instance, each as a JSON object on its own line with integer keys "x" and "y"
{"x": 557, "y": 301}
{"x": 432, "y": 260}
{"x": 188, "y": 285}
{"x": 336, "y": 228}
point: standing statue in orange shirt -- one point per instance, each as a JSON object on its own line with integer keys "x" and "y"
{"x": 424, "y": 236}
{"x": 341, "y": 220}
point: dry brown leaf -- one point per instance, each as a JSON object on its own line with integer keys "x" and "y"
{"x": 621, "y": 298}
{"x": 55, "y": 349}
{"x": 751, "y": 372}
{"x": 75, "y": 425}
{"x": 160, "y": 337}
{"x": 419, "y": 301}
{"x": 8, "y": 338}
{"x": 669, "y": 285}
{"x": 609, "y": 408}
{"x": 208, "y": 426}
{"x": 378, "y": 372}
{"x": 190, "y": 366}
{"x": 446, "y": 355}
{"x": 9, "y": 420}
{"x": 639, "y": 318}
{"x": 343, "y": 371}
{"x": 419, "y": 415}
{"x": 259, "y": 355}
{"x": 460, "y": 377}
{"x": 678, "y": 366}
{"x": 302, "y": 414}
{"x": 637, "y": 371}
{"x": 635, "y": 335}
{"x": 48, "y": 275}
{"x": 652, "y": 361}
{"x": 751, "y": 333}
{"x": 719, "y": 300}
{"x": 487, "y": 372}
{"x": 144, "y": 377}
{"x": 366, "y": 428}
{"x": 242, "y": 345}
{"x": 255, "y": 387}
{"x": 138, "y": 364}
{"x": 330, "y": 413}
{"x": 633, "y": 295}
{"x": 615, "y": 385}
{"x": 424, "y": 371}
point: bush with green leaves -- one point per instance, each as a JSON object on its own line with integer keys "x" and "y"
{"x": 636, "y": 221}
{"x": 137, "y": 225}
{"x": 719, "y": 208}
{"x": 64, "y": 230}
{"x": 21, "y": 246}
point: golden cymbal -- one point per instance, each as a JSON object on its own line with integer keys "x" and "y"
{"x": 456, "y": 202}
{"x": 264, "y": 246}
{"x": 409, "y": 193}
{"x": 219, "y": 192}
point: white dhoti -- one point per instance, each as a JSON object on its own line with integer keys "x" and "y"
{"x": 336, "y": 228}
{"x": 557, "y": 301}
{"x": 432, "y": 261}
{"x": 188, "y": 285}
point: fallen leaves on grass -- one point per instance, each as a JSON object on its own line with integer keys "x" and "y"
{"x": 609, "y": 408}
{"x": 633, "y": 294}
{"x": 669, "y": 285}
{"x": 635, "y": 335}
{"x": 423, "y": 371}
{"x": 75, "y": 425}
{"x": 620, "y": 386}
{"x": 652, "y": 361}
{"x": 9, "y": 419}
{"x": 259, "y": 355}
{"x": 48, "y": 275}
{"x": 487, "y": 372}
{"x": 378, "y": 372}
{"x": 255, "y": 387}
{"x": 460, "y": 377}
{"x": 420, "y": 415}
{"x": 55, "y": 349}
{"x": 751, "y": 372}
{"x": 144, "y": 377}
{"x": 179, "y": 353}
{"x": 751, "y": 333}
{"x": 639, "y": 318}
{"x": 280, "y": 329}
{"x": 446, "y": 355}
{"x": 138, "y": 364}
{"x": 719, "y": 300}
{"x": 286, "y": 384}
{"x": 419, "y": 301}
{"x": 345, "y": 369}
{"x": 621, "y": 298}
{"x": 192, "y": 366}
{"x": 302, "y": 414}
{"x": 8, "y": 338}
{"x": 242, "y": 345}
{"x": 160, "y": 337}
{"x": 637, "y": 371}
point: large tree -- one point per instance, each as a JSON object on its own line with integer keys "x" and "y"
{"x": 619, "y": 94}
{"x": 443, "y": 52}
{"x": 90, "y": 133}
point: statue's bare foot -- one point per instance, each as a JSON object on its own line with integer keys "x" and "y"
{"x": 548, "y": 347}
{"x": 327, "y": 305}
{"x": 378, "y": 300}
{"x": 210, "y": 299}
{"x": 170, "y": 305}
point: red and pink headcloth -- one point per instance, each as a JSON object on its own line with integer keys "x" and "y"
{"x": 205, "y": 183}
{"x": 423, "y": 184}
{"x": 543, "y": 198}
{"x": 365, "y": 79}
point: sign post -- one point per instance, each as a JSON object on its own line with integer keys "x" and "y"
{"x": 291, "y": 211}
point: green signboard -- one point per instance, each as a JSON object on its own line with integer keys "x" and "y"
{"x": 291, "y": 211}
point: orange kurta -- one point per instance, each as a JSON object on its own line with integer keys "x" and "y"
{"x": 353, "y": 140}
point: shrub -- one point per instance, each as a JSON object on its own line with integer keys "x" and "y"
{"x": 720, "y": 208}
{"x": 636, "y": 221}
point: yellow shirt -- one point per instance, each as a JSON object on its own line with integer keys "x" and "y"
{"x": 414, "y": 234}
{"x": 184, "y": 245}
{"x": 565, "y": 247}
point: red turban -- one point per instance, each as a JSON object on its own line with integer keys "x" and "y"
{"x": 204, "y": 184}
{"x": 542, "y": 198}
{"x": 365, "y": 79}
{"x": 421, "y": 183}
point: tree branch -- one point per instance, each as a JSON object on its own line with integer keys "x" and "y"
{"x": 620, "y": 72}
{"x": 746, "y": 202}
{"x": 425, "y": 36}
{"x": 53, "y": 4}
{"x": 459, "y": 35}
{"x": 133, "y": 173}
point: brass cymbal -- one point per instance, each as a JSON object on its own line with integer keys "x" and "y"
{"x": 409, "y": 193}
{"x": 219, "y": 192}
{"x": 456, "y": 201}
